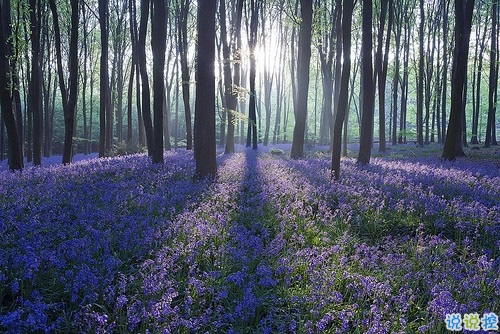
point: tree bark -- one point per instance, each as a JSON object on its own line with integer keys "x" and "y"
{"x": 252, "y": 43}
{"x": 344, "y": 86}
{"x": 383, "y": 60}
{"x": 463, "y": 13}
{"x": 303, "y": 62}
{"x": 185, "y": 77}
{"x": 104, "y": 75}
{"x": 229, "y": 82}
{"x": 69, "y": 97}
{"x": 366, "y": 132}
{"x": 158, "y": 44}
{"x": 146, "y": 94}
{"x": 35, "y": 90}
{"x": 204, "y": 123}
{"x": 493, "y": 80}
{"x": 15, "y": 158}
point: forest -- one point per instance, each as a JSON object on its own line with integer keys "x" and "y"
{"x": 82, "y": 76}
{"x": 247, "y": 166}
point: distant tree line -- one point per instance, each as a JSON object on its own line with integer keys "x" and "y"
{"x": 121, "y": 75}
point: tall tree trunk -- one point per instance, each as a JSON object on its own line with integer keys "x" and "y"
{"x": 135, "y": 55}
{"x": 133, "y": 65}
{"x": 344, "y": 87}
{"x": 329, "y": 44}
{"x": 146, "y": 94}
{"x": 86, "y": 146}
{"x": 463, "y": 13}
{"x": 252, "y": 43}
{"x": 69, "y": 117}
{"x": 479, "y": 69}
{"x": 35, "y": 90}
{"x": 229, "y": 83}
{"x": 366, "y": 132}
{"x": 268, "y": 76}
{"x": 404, "y": 83}
{"x": 183, "y": 15}
{"x": 16, "y": 84}
{"x": 46, "y": 87}
{"x": 69, "y": 98}
{"x": 338, "y": 69}
{"x": 383, "y": 61}
{"x": 396, "y": 80}
{"x": 420, "y": 84}
{"x": 15, "y": 157}
{"x": 445, "y": 71}
{"x": 204, "y": 123}
{"x": 158, "y": 44}
{"x": 303, "y": 62}
{"x": 493, "y": 80}
{"x": 104, "y": 75}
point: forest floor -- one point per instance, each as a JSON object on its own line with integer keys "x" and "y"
{"x": 272, "y": 245}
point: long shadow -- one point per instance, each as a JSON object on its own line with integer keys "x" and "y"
{"x": 93, "y": 250}
{"x": 381, "y": 223}
{"x": 251, "y": 278}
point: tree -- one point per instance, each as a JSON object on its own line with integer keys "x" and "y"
{"x": 329, "y": 45}
{"x": 204, "y": 122}
{"x": 159, "y": 45}
{"x": 14, "y": 149}
{"x": 182, "y": 15}
{"x": 303, "y": 62}
{"x": 69, "y": 96}
{"x": 35, "y": 88}
{"x": 490, "y": 125}
{"x": 230, "y": 96}
{"x": 104, "y": 75}
{"x": 344, "y": 85}
{"x": 381, "y": 64}
{"x": 366, "y": 132}
{"x": 463, "y": 25}
{"x": 478, "y": 66}
{"x": 252, "y": 43}
{"x": 146, "y": 95}
{"x": 420, "y": 92}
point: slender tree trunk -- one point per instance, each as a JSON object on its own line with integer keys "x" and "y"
{"x": 158, "y": 44}
{"x": 382, "y": 75}
{"x": 344, "y": 87}
{"x": 493, "y": 80}
{"x": 420, "y": 90}
{"x": 366, "y": 132}
{"x": 104, "y": 75}
{"x": 252, "y": 42}
{"x": 16, "y": 84}
{"x": 69, "y": 117}
{"x": 463, "y": 13}
{"x": 46, "y": 87}
{"x": 404, "y": 84}
{"x": 130, "y": 91}
{"x": 183, "y": 15}
{"x": 229, "y": 95}
{"x": 35, "y": 91}
{"x": 396, "y": 80}
{"x": 477, "y": 105}
{"x": 146, "y": 94}
{"x": 204, "y": 123}
{"x": 445, "y": 72}
{"x": 303, "y": 63}
{"x": 69, "y": 97}
{"x": 15, "y": 158}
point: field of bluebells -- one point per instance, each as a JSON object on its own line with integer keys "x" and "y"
{"x": 272, "y": 245}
